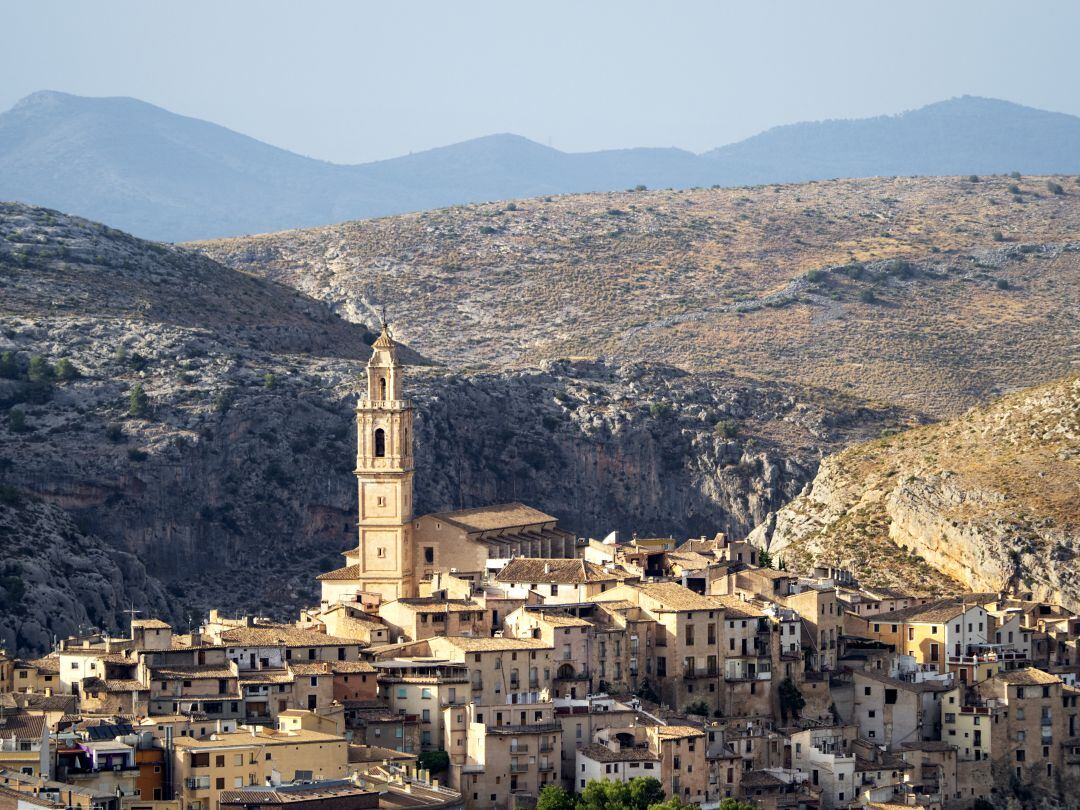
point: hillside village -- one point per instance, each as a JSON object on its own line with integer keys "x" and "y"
{"x": 481, "y": 657}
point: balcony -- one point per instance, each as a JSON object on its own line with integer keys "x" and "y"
{"x": 546, "y": 748}
{"x": 546, "y": 766}
{"x": 477, "y": 686}
{"x": 519, "y": 767}
{"x": 519, "y": 749}
{"x": 701, "y": 673}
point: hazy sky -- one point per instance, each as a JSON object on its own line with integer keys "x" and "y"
{"x": 356, "y": 81}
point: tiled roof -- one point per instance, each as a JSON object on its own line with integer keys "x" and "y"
{"x": 18, "y": 797}
{"x": 736, "y": 608}
{"x": 153, "y": 624}
{"x": 38, "y": 702}
{"x": 690, "y": 559}
{"x": 349, "y": 667}
{"x": 673, "y": 596}
{"x": 940, "y": 610}
{"x": 1027, "y": 677}
{"x": 760, "y": 779}
{"x": 311, "y": 793}
{"x": 895, "y": 683}
{"x": 264, "y": 736}
{"x": 555, "y": 571}
{"x": 266, "y": 676}
{"x": 49, "y": 663}
{"x": 671, "y": 732}
{"x": 191, "y": 673}
{"x": 348, "y": 572}
{"x": 478, "y": 644}
{"x": 601, "y": 753}
{"x": 274, "y": 635}
{"x": 492, "y": 518}
{"x": 560, "y": 619}
{"x": 125, "y": 685}
{"x": 430, "y": 605}
{"x": 22, "y": 726}
{"x": 310, "y": 667}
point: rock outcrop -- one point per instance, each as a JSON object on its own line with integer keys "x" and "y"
{"x": 989, "y": 501}
{"x": 56, "y": 580}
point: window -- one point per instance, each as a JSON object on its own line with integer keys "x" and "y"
{"x": 380, "y": 443}
{"x": 429, "y": 554}
{"x": 380, "y": 552}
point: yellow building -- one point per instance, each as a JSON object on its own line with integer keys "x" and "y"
{"x": 203, "y": 768}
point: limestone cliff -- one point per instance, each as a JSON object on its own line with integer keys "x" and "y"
{"x": 990, "y": 500}
{"x": 56, "y": 579}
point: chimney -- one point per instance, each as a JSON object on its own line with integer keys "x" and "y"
{"x": 547, "y": 568}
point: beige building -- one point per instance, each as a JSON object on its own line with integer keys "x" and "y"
{"x": 426, "y": 616}
{"x": 688, "y": 640}
{"x": 425, "y": 688}
{"x": 203, "y": 768}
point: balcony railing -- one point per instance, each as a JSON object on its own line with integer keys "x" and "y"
{"x": 518, "y": 767}
{"x": 520, "y": 748}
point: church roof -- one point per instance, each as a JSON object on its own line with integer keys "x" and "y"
{"x": 497, "y": 516}
{"x": 384, "y": 341}
{"x": 560, "y": 571}
{"x": 348, "y": 572}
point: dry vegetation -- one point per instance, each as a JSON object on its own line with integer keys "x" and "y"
{"x": 726, "y": 279}
{"x": 991, "y": 499}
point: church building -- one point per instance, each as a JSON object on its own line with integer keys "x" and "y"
{"x": 398, "y": 552}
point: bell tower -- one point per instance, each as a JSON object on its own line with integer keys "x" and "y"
{"x": 384, "y": 474}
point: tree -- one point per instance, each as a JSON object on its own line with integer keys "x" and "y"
{"x": 554, "y": 797}
{"x": 16, "y": 420}
{"x": 66, "y": 370}
{"x": 39, "y": 370}
{"x": 138, "y": 402}
{"x": 9, "y": 365}
{"x": 639, "y": 793}
{"x": 1054, "y": 188}
{"x": 791, "y": 699}
{"x": 268, "y": 380}
{"x": 434, "y": 761}
{"x": 765, "y": 559}
{"x": 674, "y": 803}
{"x": 735, "y": 804}
{"x": 700, "y": 707}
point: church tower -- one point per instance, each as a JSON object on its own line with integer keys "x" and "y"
{"x": 384, "y": 474}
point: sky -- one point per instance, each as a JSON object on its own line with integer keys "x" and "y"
{"x": 352, "y": 81}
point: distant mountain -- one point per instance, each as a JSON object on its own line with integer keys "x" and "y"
{"x": 166, "y": 176}
{"x": 965, "y": 135}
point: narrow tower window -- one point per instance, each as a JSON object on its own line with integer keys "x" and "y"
{"x": 380, "y": 442}
{"x": 382, "y": 388}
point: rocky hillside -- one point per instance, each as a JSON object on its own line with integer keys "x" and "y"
{"x": 56, "y": 580}
{"x": 933, "y": 294}
{"x": 216, "y": 443}
{"x": 990, "y": 500}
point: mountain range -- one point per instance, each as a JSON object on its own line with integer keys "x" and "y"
{"x": 169, "y": 177}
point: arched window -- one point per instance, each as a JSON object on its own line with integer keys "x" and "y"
{"x": 382, "y": 388}
{"x": 380, "y": 442}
